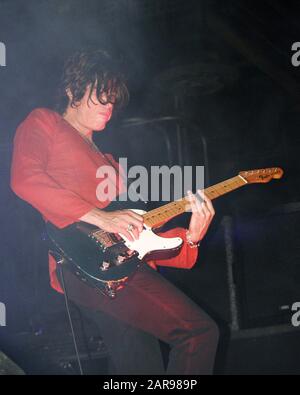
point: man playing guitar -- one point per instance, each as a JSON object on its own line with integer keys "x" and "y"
{"x": 54, "y": 169}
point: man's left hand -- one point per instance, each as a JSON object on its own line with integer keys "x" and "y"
{"x": 202, "y": 215}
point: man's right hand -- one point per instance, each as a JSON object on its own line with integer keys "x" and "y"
{"x": 116, "y": 222}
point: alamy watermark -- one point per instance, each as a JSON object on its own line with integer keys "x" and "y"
{"x": 163, "y": 182}
{"x": 296, "y": 315}
{"x": 2, "y": 314}
{"x": 2, "y": 54}
{"x": 296, "y": 56}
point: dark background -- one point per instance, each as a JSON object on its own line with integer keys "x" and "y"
{"x": 224, "y": 69}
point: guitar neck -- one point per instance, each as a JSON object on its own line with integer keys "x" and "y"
{"x": 162, "y": 214}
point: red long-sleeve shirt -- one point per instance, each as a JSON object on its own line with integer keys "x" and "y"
{"x": 54, "y": 169}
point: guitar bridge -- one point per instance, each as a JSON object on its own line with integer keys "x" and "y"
{"x": 106, "y": 240}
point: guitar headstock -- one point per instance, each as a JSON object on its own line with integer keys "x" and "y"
{"x": 261, "y": 175}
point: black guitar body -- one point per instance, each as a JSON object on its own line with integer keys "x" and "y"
{"x": 98, "y": 258}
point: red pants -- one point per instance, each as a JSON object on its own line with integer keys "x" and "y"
{"x": 149, "y": 308}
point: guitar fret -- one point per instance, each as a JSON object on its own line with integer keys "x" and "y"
{"x": 168, "y": 211}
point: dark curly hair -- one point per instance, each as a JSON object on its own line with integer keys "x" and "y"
{"x": 94, "y": 68}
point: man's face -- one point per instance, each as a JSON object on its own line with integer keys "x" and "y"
{"x": 91, "y": 114}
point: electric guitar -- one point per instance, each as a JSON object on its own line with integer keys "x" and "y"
{"x": 104, "y": 260}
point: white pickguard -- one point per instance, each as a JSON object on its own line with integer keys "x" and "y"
{"x": 149, "y": 241}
